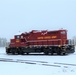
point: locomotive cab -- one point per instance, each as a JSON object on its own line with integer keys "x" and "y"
{"x": 18, "y": 41}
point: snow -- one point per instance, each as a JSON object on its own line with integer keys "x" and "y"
{"x": 44, "y": 65}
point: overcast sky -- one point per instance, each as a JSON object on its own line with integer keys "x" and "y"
{"x": 27, "y": 15}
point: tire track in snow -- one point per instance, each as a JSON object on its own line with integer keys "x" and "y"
{"x": 44, "y": 63}
{"x": 28, "y": 62}
{"x": 65, "y": 64}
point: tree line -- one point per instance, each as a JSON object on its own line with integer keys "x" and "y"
{"x": 3, "y": 42}
{"x": 74, "y": 39}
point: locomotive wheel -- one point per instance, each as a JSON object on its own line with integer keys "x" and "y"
{"x": 63, "y": 53}
{"x": 13, "y": 52}
{"x": 46, "y": 52}
{"x": 27, "y": 53}
{"x": 52, "y": 52}
{"x": 59, "y": 53}
{"x": 19, "y": 51}
{"x": 7, "y": 52}
{"x": 22, "y": 53}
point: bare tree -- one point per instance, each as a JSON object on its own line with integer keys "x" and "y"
{"x": 3, "y": 42}
{"x": 74, "y": 40}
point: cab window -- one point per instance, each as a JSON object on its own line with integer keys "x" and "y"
{"x": 17, "y": 37}
{"x": 21, "y": 37}
{"x": 63, "y": 32}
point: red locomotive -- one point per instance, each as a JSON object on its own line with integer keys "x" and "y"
{"x": 47, "y": 42}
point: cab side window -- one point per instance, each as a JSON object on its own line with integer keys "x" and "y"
{"x": 17, "y": 37}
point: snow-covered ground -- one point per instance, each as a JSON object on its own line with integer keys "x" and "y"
{"x": 37, "y": 64}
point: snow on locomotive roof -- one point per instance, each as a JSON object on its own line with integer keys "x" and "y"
{"x": 36, "y": 31}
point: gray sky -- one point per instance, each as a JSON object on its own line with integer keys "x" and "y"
{"x": 27, "y": 15}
